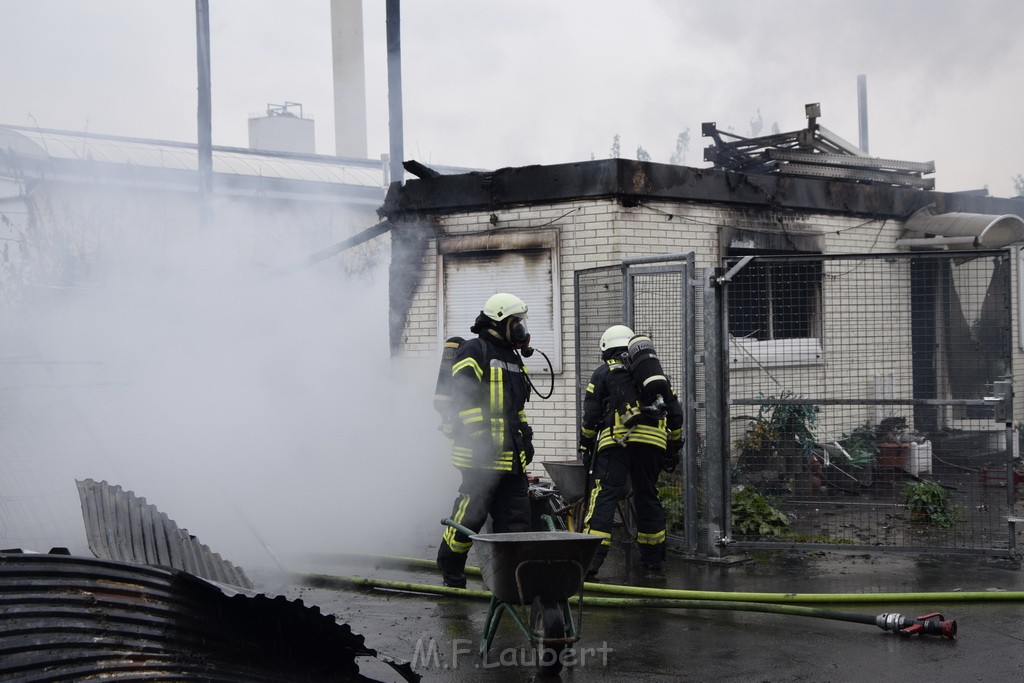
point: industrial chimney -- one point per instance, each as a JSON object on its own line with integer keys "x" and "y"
{"x": 862, "y": 110}
{"x": 349, "y": 78}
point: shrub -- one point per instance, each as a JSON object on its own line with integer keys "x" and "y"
{"x": 928, "y": 502}
{"x": 753, "y": 515}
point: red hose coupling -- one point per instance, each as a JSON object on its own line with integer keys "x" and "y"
{"x": 931, "y": 625}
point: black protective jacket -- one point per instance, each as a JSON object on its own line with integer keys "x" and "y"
{"x": 489, "y": 394}
{"x": 612, "y": 416}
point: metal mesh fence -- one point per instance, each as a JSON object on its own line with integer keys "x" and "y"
{"x": 598, "y": 306}
{"x": 858, "y": 387}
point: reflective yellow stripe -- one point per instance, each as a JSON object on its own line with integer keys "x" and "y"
{"x": 471, "y": 364}
{"x": 449, "y": 533}
{"x": 497, "y": 405}
{"x": 606, "y": 538}
{"x": 590, "y": 388}
{"x": 471, "y": 415}
{"x": 590, "y": 503}
{"x": 463, "y": 459}
{"x": 651, "y": 539}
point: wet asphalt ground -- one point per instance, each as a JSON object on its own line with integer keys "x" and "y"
{"x": 440, "y": 634}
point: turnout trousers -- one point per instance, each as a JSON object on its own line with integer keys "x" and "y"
{"x": 641, "y": 463}
{"x": 505, "y": 496}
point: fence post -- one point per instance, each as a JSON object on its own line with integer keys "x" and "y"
{"x": 716, "y": 452}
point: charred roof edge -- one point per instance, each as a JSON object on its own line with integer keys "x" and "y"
{"x": 632, "y": 180}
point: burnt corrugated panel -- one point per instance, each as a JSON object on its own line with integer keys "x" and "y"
{"x": 122, "y": 526}
{"x": 67, "y": 618}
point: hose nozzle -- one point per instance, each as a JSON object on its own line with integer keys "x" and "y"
{"x": 933, "y": 624}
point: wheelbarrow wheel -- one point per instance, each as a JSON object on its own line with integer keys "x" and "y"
{"x": 548, "y": 621}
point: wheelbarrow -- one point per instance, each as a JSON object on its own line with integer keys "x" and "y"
{"x": 569, "y": 477}
{"x": 570, "y": 480}
{"x": 539, "y": 570}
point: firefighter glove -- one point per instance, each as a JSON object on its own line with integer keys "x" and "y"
{"x": 586, "y": 450}
{"x": 673, "y": 454}
{"x": 526, "y": 432}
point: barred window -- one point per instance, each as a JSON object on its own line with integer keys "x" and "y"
{"x": 775, "y": 313}
{"x": 776, "y": 300}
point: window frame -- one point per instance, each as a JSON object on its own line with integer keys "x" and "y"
{"x": 456, "y": 246}
{"x": 772, "y": 351}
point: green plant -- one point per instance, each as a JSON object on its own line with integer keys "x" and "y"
{"x": 795, "y": 419}
{"x": 928, "y": 502}
{"x": 777, "y": 423}
{"x": 861, "y": 445}
{"x": 670, "y": 493}
{"x": 761, "y": 436}
{"x": 753, "y": 515}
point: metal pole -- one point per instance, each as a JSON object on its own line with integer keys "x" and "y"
{"x": 204, "y": 110}
{"x": 716, "y": 418}
{"x": 397, "y": 154}
{"x": 862, "y": 111}
{"x": 690, "y": 469}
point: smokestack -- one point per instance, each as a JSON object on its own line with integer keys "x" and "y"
{"x": 203, "y": 113}
{"x": 395, "y": 126}
{"x": 862, "y": 110}
{"x": 349, "y": 78}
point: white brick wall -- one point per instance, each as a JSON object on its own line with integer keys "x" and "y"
{"x": 600, "y": 232}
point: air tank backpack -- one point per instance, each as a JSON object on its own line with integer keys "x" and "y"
{"x": 443, "y": 399}
{"x": 641, "y": 360}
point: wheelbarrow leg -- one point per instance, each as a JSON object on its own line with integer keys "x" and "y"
{"x": 494, "y": 612}
{"x": 570, "y": 623}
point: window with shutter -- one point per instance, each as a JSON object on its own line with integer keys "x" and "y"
{"x": 471, "y": 269}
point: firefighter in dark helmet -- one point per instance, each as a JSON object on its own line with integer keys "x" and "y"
{"x": 492, "y": 442}
{"x": 623, "y": 435}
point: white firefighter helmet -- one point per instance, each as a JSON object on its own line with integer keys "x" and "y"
{"x": 503, "y": 306}
{"x": 616, "y": 336}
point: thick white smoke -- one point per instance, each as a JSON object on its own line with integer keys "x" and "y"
{"x": 264, "y": 414}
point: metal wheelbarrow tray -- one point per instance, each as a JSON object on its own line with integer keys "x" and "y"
{"x": 518, "y": 567}
{"x": 542, "y": 569}
{"x": 569, "y": 477}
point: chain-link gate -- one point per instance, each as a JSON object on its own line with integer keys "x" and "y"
{"x": 653, "y": 296}
{"x": 869, "y": 400}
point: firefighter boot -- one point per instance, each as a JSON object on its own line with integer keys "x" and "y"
{"x": 652, "y": 559}
{"x": 452, "y": 566}
{"x": 595, "y": 564}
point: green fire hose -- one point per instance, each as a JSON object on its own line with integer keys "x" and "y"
{"x": 725, "y": 596}
{"x": 929, "y": 624}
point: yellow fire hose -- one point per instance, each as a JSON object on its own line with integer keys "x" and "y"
{"x": 704, "y": 595}
{"x": 930, "y": 624}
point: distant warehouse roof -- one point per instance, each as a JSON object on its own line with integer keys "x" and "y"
{"x": 66, "y": 155}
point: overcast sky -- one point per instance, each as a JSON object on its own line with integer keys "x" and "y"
{"x": 492, "y": 84}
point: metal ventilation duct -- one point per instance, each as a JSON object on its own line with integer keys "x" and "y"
{"x": 121, "y": 526}
{"x": 964, "y": 230}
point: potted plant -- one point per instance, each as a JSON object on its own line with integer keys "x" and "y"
{"x": 928, "y": 503}
{"x": 893, "y": 452}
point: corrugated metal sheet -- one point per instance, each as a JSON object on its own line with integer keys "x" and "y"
{"x": 67, "y": 618}
{"x": 122, "y": 526}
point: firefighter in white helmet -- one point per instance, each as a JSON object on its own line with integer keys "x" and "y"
{"x": 621, "y": 437}
{"x": 492, "y": 442}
